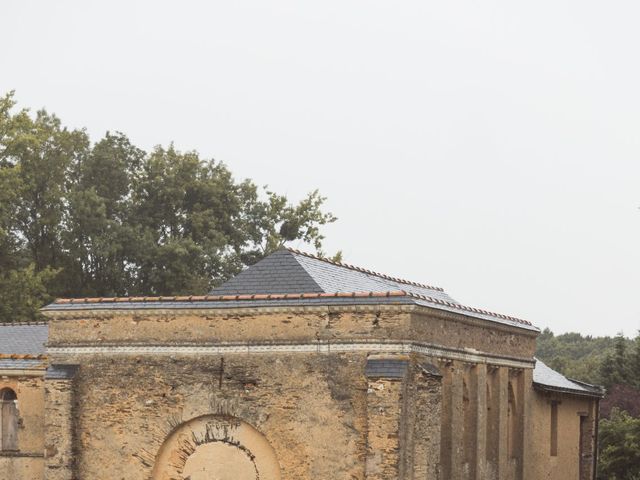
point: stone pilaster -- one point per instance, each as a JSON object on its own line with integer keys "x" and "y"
{"x": 59, "y": 431}
{"x": 519, "y": 380}
{"x": 496, "y": 447}
{"x": 385, "y": 389}
{"x": 426, "y": 422}
{"x": 527, "y": 411}
{"x": 480, "y": 397}
{"x": 502, "y": 399}
{"x": 457, "y": 422}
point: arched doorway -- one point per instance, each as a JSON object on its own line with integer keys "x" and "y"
{"x": 8, "y": 420}
{"x": 216, "y": 447}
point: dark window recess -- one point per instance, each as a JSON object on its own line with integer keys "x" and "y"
{"x": 554, "y": 429}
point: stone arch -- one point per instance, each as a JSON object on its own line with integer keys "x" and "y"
{"x": 216, "y": 446}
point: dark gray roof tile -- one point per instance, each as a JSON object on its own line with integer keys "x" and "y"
{"x": 61, "y": 372}
{"x": 22, "y": 364}
{"x": 546, "y": 378}
{"x": 26, "y": 339}
{"x": 279, "y": 272}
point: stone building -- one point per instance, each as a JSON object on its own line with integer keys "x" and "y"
{"x": 298, "y": 368}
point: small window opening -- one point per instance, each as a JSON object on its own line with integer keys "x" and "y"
{"x": 554, "y": 429}
{"x": 8, "y": 420}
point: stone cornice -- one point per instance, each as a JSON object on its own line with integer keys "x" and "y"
{"x": 477, "y": 322}
{"x": 320, "y": 347}
{"x": 293, "y": 309}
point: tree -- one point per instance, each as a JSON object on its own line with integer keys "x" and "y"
{"x": 99, "y": 234}
{"x": 619, "y": 447}
{"x": 615, "y": 367}
{"x": 623, "y": 397}
{"x": 635, "y": 362}
{"x": 107, "y": 219}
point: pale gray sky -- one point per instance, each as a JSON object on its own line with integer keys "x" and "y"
{"x": 491, "y": 148}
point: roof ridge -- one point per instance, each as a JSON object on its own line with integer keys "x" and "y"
{"x": 469, "y": 309}
{"x": 213, "y": 298}
{"x": 364, "y": 270}
{"x": 23, "y": 356}
{"x": 285, "y": 296}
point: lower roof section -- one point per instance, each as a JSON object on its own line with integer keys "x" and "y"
{"x": 547, "y": 379}
{"x": 23, "y": 339}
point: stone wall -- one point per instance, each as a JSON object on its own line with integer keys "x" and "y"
{"x": 61, "y": 429}
{"x": 21, "y": 467}
{"x": 330, "y": 324}
{"x": 27, "y": 462}
{"x": 323, "y": 418}
{"x": 311, "y": 408}
{"x": 467, "y": 411}
{"x": 421, "y": 419}
{"x": 455, "y": 332}
{"x": 566, "y": 463}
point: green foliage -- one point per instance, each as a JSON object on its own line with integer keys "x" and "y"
{"x": 23, "y": 291}
{"x": 575, "y": 355}
{"x": 615, "y": 368}
{"x": 634, "y": 362}
{"x": 619, "y": 447}
{"x": 106, "y": 219}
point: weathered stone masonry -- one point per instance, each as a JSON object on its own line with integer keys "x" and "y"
{"x": 255, "y": 383}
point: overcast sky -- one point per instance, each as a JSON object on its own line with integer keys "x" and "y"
{"x": 491, "y": 148}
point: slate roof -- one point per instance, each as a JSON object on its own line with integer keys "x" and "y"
{"x": 279, "y": 272}
{"x": 22, "y": 364}
{"x": 23, "y": 338}
{"x": 292, "y": 271}
{"x": 289, "y": 278}
{"x": 22, "y": 346}
{"x": 545, "y": 378}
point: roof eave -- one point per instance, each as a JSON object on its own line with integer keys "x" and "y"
{"x": 568, "y": 391}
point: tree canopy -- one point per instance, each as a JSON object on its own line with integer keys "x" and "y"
{"x": 79, "y": 218}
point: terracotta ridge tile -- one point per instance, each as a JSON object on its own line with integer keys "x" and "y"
{"x": 470, "y": 309}
{"x": 22, "y": 356}
{"x": 364, "y": 270}
{"x": 285, "y": 296}
{"x": 217, "y": 298}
